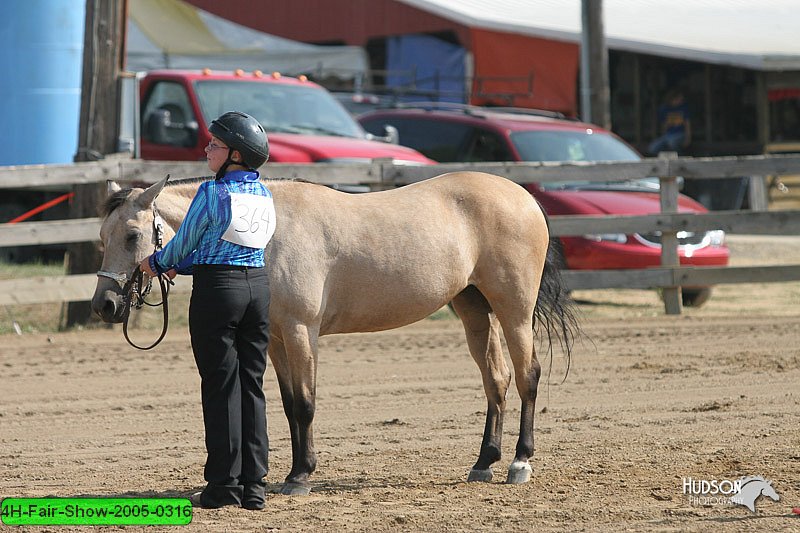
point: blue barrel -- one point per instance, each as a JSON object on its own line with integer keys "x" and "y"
{"x": 41, "y": 61}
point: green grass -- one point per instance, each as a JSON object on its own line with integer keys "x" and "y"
{"x": 29, "y": 270}
{"x": 30, "y": 318}
{"x": 445, "y": 313}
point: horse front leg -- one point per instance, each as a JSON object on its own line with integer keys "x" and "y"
{"x": 277, "y": 354}
{"x": 299, "y": 403}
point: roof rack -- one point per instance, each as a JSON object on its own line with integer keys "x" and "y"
{"x": 527, "y": 111}
{"x": 478, "y": 110}
{"x": 431, "y": 95}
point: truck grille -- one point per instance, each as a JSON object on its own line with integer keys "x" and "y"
{"x": 685, "y": 238}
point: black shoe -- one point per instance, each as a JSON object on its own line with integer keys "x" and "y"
{"x": 216, "y": 496}
{"x": 253, "y": 496}
{"x": 195, "y": 499}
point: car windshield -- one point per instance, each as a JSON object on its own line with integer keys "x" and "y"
{"x": 585, "y": 145}
{"x": 278, "y": 107}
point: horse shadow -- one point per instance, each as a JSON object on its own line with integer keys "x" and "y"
{"x": 333, "y": 487}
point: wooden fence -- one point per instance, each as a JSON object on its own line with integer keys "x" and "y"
{"x": 382, "y": 174}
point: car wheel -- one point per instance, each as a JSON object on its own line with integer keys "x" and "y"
{"x": 695, "y": 297}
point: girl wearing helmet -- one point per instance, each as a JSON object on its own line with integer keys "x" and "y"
{"x": 228, "y": 311}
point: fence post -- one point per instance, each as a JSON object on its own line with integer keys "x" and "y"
{"x": 381, "y": 174}
{"x": 103, "y": 57}
{"x": 669, "y": 238}
{"x": 83, "y": 257}
{"x": 759, "y": 196}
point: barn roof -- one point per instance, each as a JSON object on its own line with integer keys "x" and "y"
{"x": 757, "y": 35}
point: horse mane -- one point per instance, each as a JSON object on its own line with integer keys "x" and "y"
{"x": 189, "y": 181}
{"x": 118, "y": 198}
{"x": 115, "y": 200}
{"x": 296, "y": 180}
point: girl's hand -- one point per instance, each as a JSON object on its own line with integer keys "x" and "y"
{"x": 144, "y": 265}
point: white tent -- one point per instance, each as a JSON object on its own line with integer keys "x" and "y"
{"x": 174, "y": 34}
{"x": 743, "y": 33}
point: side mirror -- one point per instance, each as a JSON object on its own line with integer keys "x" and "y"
{"x": 166, "y": 125}
{"x": 390, "y": 134}
{"x": 192, "y": 128}
{"x": 155, "y": 128}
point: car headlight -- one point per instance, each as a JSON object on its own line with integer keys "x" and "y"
{"x": 716, "y": 237}
{"x": 620, "y": 238}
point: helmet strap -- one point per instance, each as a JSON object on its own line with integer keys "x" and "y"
{"x": 228, "y": 162}
{"x": 224, "y": 168}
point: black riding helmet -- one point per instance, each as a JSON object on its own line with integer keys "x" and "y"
{"x": 242, "y": 132}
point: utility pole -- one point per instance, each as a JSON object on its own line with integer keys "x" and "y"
{"x": 103, "y": 58}
{"x": 595, "y": 93}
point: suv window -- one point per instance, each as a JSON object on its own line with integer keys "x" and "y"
{"x": 487, "y": 146}
{"x": 165, "y": 115}
{"x": 440, "y": 140}
{"x": 570, "y": 146}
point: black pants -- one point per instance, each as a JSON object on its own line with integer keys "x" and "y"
{"x": 228, "y": 323}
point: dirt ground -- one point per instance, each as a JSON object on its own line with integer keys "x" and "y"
{"x": 650, "y": 400}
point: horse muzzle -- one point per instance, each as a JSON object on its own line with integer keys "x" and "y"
{"x": 108, "y": 302}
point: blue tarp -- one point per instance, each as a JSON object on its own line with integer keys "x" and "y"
{"x": 429, "y": 68}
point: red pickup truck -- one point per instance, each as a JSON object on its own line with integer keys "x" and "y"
{"x": 305, "y": 124}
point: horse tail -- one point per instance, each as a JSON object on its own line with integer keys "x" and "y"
{"x": 556, "y": 314}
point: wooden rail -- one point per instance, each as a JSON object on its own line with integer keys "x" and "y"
{"x": 381, "y": 174}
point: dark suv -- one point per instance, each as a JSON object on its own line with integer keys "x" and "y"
{"x": 476, "y": 134}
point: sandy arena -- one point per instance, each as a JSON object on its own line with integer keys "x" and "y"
{"x": 712, "y": 394}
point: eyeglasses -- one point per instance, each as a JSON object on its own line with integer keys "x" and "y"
{"x": 213, "y": 146}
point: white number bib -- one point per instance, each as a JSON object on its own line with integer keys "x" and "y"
{"x": 252, "y": 221}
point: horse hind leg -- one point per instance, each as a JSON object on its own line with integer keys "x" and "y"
{"x": 518, "y": 332}
{"x": 483, "y": 339}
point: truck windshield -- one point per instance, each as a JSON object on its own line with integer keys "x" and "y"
{"x": 278, "y": 107}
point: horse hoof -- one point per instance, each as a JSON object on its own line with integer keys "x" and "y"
{"x": 480, "y": 475}
{"x": 519, "y": 472}
{"x": 295, "y": 489}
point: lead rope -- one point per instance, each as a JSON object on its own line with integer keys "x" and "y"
{"x": 134, "y": 296}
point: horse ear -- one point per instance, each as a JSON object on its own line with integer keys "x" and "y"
{"x": 147, "y": 198}
{"x": 113, "y": 187}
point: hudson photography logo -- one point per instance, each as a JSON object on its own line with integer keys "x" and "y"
{"x": 744, "y": 491}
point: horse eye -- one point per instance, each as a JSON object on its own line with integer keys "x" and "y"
{"x": 132, "y": 240}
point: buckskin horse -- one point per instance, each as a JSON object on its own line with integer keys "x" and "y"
{"x": 344, "y": 263}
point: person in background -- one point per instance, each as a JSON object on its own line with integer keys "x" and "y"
{"x": 674, "y": 125}
{"x": 227, "y": 226}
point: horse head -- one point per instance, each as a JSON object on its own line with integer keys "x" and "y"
{"x": 128, "y": 233}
